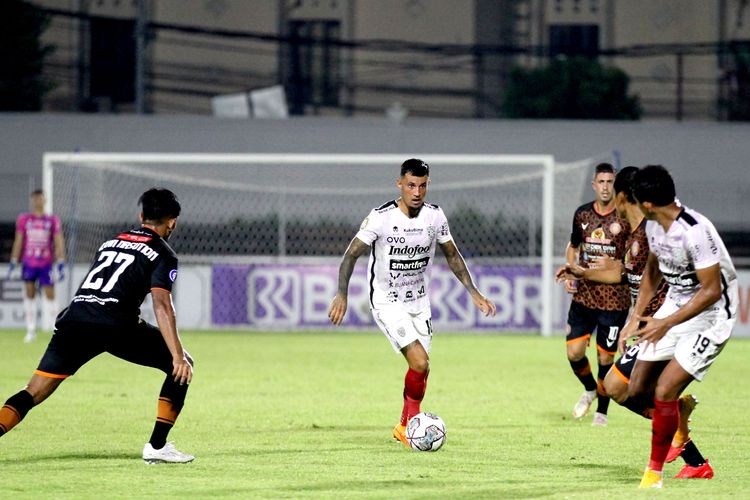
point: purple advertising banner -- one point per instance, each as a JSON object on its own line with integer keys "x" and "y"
{"x": 298, "y": 295}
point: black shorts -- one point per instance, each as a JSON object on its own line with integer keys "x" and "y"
{"x": 624, "y": 365}
{"x": 583, "y": 321}
{"x": 75, "y": 344}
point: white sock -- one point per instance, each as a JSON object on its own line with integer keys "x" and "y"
{"x": 49, "y": 314}
{"x": 29, "y": 307}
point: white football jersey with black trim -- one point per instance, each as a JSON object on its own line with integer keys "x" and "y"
{"x": 692, "y": 243}
{"x": 402, "y": 253}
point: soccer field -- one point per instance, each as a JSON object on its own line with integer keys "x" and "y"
{"x": 309, "y": 415}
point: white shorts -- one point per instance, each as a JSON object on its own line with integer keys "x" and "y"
{"x": 695, "y": 344}
{"x": 402, "y": 327}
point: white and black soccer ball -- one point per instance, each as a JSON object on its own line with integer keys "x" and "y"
{"x": 426, "y": 432}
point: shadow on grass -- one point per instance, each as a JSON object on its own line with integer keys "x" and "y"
{"x": 104, "y": 455}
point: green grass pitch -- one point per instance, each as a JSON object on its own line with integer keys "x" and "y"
{"x": 309, "y": 415}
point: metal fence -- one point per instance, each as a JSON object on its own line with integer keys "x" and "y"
{"x": 676, "y": 81}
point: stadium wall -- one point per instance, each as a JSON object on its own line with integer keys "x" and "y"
{"x": 709, "y": 159}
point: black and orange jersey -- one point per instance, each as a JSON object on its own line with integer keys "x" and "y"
{"x": 125, "y": 269}
{"x": 597, "y": 236}
{"x": 636, "y": 257}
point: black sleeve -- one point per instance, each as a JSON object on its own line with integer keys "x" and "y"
{"x": 165, "y": 272}
{"x": 575, "y": 232}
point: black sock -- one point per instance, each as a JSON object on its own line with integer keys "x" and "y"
{"x": 602, "y": 403}
{"x": 14, "y": 410}
{"x": 582, "y": 369}
{"x": 691, "y": 455}
{"x": 602, "y": 400}
{"x": 171, "y": 400}
{"x": 159, "y": 435}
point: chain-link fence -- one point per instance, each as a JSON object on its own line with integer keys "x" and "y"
{"x": 235, "y": 206}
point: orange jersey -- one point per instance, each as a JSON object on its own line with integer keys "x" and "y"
{"x": 636, "y": 256}
{"x": 597, "y": 236}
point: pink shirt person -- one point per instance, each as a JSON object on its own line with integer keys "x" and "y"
{"x": 39, "y": 233}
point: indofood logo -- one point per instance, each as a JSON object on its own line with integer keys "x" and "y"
{"x": 409, "y": 250}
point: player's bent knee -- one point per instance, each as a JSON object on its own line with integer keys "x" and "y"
{"x": 605, "y": 359}
{"x": 420, "y": 365}
{"x": 576, "y": 356}
{"x": 666, "y": 393}
{"x": 615, "y": 388}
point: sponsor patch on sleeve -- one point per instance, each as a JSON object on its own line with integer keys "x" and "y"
{"x": 173, "y": 275}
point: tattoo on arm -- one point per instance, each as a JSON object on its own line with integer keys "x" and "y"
{"x": 458, "y": 265}
{"x": 355, "y": 250}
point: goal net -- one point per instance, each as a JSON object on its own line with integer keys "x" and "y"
{"x": 261, "y": 235}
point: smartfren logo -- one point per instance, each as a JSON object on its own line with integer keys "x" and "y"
{"x": 409, "y": 265}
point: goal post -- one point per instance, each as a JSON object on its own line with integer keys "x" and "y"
{"x": 288, "y": 211}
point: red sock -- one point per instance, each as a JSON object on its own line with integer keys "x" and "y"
{"x": 415, "y": 384}
{"x": 663, "y": 425}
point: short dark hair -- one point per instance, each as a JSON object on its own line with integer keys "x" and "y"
{"x": 37, "y": 192}
{"x": 159, "y": 204}
{"x": 415, "y": 167}
{"x": 624, "y": 182}
{"x": 604, "y": 168}
{"x": 653, "y": 183}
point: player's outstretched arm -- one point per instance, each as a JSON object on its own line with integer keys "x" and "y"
{"x": 337, "y": 310}
{"x": 182, "y": 369}
{"x": 458, "y": 266}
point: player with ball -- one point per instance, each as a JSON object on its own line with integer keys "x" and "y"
{"x": 401, "y": 236}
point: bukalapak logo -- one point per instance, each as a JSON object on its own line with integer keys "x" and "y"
{"x": 409, "y": 250}
{"x": 409, "y": 265}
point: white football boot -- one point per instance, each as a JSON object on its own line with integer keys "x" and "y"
{"x": 166, "y": 455}
{"x": 600, "y": 420}
{"x": 581, "y": 409}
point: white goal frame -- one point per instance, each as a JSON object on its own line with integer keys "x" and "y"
{"x": 547, "y": 162}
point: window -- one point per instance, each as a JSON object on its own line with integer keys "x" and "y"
{"x": 574, "y": 40}
{"x": 112, "y": 70}
{"x": 313, "y": 64}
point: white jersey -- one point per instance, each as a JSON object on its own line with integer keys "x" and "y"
{"x": 402, "y": 252}
{"x": 692, "y": 243}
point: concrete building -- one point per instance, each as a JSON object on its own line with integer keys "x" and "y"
{"x": 436, "y": 58}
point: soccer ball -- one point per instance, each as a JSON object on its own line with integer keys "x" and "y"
{"x": 425, "y": 432}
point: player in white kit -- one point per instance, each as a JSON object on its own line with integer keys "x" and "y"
{"x": 401, "y": 236}
{"x": 693, "y": 325}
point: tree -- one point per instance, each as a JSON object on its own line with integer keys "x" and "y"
{"x": 22, "y": 85}
{"x": 570, "y": 88}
